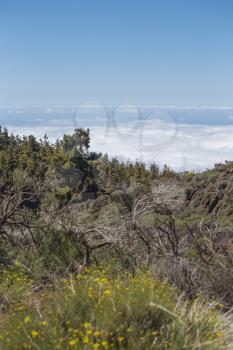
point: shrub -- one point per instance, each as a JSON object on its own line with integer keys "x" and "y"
{"x": 63, "y": 194}
{"x": 107, "y": 310}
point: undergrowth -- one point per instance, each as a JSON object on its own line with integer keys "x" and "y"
{"x": 106, "y": 309}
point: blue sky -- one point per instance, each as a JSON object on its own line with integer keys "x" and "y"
{"x": 160, "y": 52}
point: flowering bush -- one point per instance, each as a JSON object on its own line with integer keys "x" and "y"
{"x": 100, "y": 309}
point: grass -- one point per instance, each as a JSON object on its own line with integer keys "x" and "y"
{"x": 105, "y": 309}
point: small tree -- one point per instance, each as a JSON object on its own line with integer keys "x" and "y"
{"x": 79, "y": 140}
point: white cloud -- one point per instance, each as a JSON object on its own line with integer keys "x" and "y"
{"x": 181, "y": 146}
{"x": 147, "y": 133}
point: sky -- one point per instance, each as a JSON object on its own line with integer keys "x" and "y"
{"x": 165, "y": 65}
{"x": 144, "y": 52}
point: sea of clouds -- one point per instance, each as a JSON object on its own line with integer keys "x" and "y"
{"x": 185, "y": 138}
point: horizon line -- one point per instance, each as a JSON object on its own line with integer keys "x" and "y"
{"x": 120, "y": 106}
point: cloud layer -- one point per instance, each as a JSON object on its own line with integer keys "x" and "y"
{"x": 193, "y": 138}
{"x": 181, "y": 146}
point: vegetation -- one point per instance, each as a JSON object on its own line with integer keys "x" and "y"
{"x": 101, "y": 254}
{"x": 107, "y": 310}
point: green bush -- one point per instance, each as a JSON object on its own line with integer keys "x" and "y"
{"x": 63, "y": 194}
{"x": 107, "y": 310}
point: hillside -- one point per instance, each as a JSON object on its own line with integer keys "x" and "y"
{"x": 101, "y": 254}
{"x": 211, "y": 191}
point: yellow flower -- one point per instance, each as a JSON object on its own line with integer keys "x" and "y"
{"x": 105, "y": 343}
{"x": 87, "y": 324}
{"x": 44, "y": 323}
{"x": 96, "y": 346}
{"x": 120, "y": 339}
{"x": 89, "y": 331}
{"x": 86, "y": 340}
{"x": 27, "y": 319}
{"x": 219, "y": 334}
{"x": 96, "y": 333}
{"x": 107, "y": 293}
{"x": 34, "y": 334}
{"x": 73, "y": 342}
